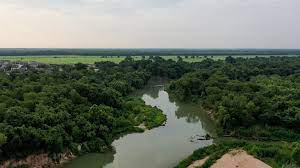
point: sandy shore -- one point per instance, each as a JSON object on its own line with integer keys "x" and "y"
{"x": 239, "y": 159}
{"x": 233, "y": 159}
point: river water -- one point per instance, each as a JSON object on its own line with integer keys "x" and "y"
{"x": 161, "y": 147}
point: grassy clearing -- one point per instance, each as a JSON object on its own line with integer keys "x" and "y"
{"x": 73, "y": 59}
{"x": 62, "y": 59}
{"x": 67, "y": 59}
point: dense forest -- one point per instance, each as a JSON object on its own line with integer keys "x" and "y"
{"x": 247, "y": 93}
{"x": 253, "y": 99}
{"x": 76, "y": 107}
{"x": 83, "y": 108}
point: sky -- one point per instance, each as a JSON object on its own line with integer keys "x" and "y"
{"x": 150, "y": 24}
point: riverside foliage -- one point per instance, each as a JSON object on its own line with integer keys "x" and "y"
{"x": 83, "y": 108}
{"x": 256, "y": 100}
{"x": 247, "y": 94}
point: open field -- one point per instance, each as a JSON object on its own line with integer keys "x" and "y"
{"x": 73, "y": 59}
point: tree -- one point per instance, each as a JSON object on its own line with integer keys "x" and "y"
{"x": 120, "y": 86}
{"x": 179, "y": 59}
{"x": 3, "y": 139}
{"x": 230, "y": 60}
{"x": 296, "y": 153}
{"x": 80, "y": 66}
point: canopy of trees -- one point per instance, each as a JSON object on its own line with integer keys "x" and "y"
{"x": 75, "y": 106}
{"x": 244, "y": 93}
{"x": 84, "y": 108}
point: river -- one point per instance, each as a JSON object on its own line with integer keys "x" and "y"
{"x": 161, "y": 147}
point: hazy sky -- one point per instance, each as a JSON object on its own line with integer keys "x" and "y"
{"x": 150, "y": 23}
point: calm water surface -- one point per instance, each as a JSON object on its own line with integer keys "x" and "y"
{"x": 161, "y": 147}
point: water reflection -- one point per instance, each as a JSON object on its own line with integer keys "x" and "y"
{"x": 93, "y": 160}
{"x": 161, "y": 147}
{"x": 193, "y": 113}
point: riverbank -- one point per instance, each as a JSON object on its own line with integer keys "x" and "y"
{"x": 234, "y": 158}
{"x": 147, "y": 118}
{"x": 40, "y": 161}
{"x": 275, "y": 154}
{"x": 160, "y": 147}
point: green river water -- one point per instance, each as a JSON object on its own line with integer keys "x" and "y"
{"x": 162, "y": 147}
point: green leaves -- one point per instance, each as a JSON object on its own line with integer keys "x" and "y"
{"x": 3, "y": 139}
{"x": 63, "y": 106}
{"x": 245, "y": 92}
{"x": 296, "y": 153}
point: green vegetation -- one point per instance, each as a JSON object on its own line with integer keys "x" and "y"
{"x": 58, "y": 108}
{"x": 63, "y": 107}
{"x": 244, "y": 93}
{"x": 150, "y": 116}
{"x": 254, "y": 99}
{"x": 74, "y": 59}
{"x": 3, "y": 139}
{"x": 145, "y": 52}
{"x": 63, "y": 59}
{"x": 277, "y": 155}
{"x": 84, "y": 108}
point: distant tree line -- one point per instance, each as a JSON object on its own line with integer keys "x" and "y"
{"x": 147, "y": 52}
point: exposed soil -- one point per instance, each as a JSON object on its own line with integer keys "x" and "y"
{"x": 239, "y": 159}
{"x": 39, "y": 161}
{"x": 210, "y": 113}
{"x": 198, "y": 163}
{"x": 233, "y": 159}
{"x": 143, "y": 127}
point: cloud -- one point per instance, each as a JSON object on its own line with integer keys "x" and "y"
{"x": 150, "y": 23}
{"x": 94, "y": 6}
